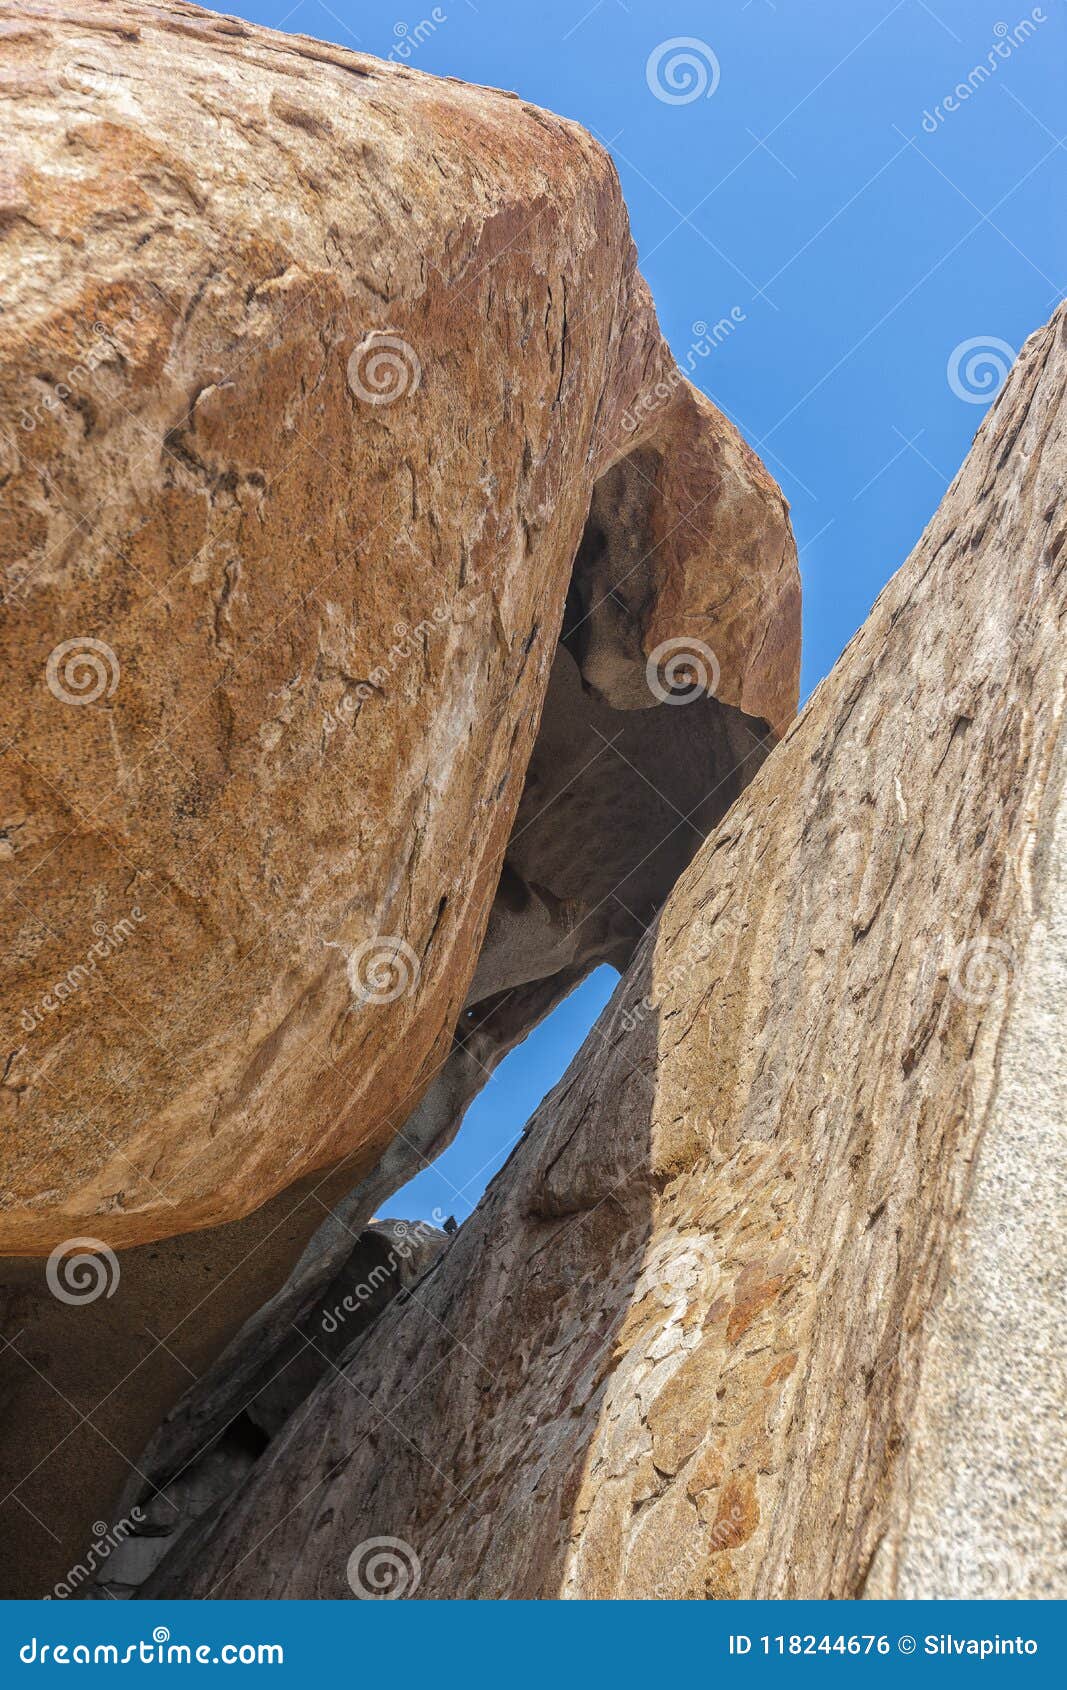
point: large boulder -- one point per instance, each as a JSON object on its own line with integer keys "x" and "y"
{"x": 359, "y": 538}
{"x": 314, "y": 368}
{"x": 765, "y": 1303}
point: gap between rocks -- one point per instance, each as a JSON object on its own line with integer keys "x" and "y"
{"x": 633, "y": 765}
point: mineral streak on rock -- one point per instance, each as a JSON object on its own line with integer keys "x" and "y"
{"x": 311, "y": 367}
{"x": 696, "y": 1339}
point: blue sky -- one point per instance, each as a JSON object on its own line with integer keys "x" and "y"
{"x": 818, "y": 182}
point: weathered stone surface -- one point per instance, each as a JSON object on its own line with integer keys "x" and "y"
{"x": 983, "y": 1471}
{"x": 312, "y": 366}
{"x": 228, "y": 1418}
{"x": 85, "y": 1383}
{"x": 332, "y": 398}
{"x": 699, "y": 1337}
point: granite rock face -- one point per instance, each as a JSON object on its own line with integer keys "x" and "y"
{"x": 319, "y": 374}
{"x": 226, "y": 1420}
{"x": 359, "y": 537}
{"x": 763, "y": 1304}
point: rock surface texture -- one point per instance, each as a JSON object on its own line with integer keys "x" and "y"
{"x": 720, "y": 1326}
{"x": 313, "y": 365}
{"x": 358, "y": 536}
{"x": 228, "y": 1418}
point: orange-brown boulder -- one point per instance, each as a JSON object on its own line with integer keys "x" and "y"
{"x": 315, "y": 371}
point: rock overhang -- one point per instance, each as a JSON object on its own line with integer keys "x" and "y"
{"x": 297, "y": 521}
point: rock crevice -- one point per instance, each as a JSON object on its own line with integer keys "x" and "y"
{"x": 707, "y": 1331}
{"x": 317, "y": 370}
